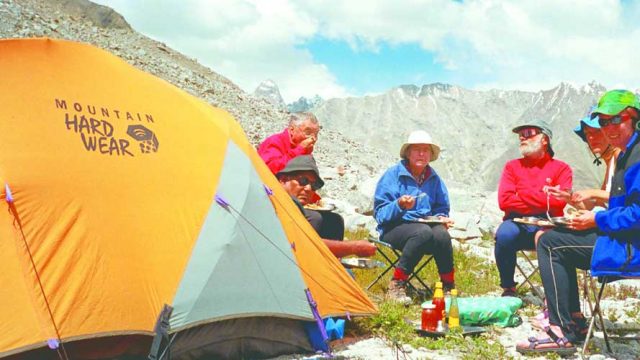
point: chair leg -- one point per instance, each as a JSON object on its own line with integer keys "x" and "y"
{"x": 597, "y": 312}
{"x": 415, "y": 273}
{"x": 527, "y": 280}
{"x": 392, "y": 264}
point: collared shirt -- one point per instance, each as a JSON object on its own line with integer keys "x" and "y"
{"x": 423, "y": 175}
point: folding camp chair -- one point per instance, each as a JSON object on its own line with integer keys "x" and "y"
{"x": 595, "y": 312}
{"x": 527, "y": 278}
{"x": 392, "y": 260}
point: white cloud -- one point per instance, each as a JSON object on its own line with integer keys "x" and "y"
{"x": 538, "y": 41}
{"x": 246, "y": 41}
{"x": 530, "y": 43}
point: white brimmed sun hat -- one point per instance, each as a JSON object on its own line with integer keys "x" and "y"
{"x": 420, "y": 137}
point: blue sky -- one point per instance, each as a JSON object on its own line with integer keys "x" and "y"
{"x": 365, "y": 71}
{"x": 337, "y": 48}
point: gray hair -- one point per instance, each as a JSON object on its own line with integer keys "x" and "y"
{"x": 297, "y": 118}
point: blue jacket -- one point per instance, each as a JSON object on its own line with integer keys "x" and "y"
{"x": 398, "y": 181}
{"x": 617, "y": 249}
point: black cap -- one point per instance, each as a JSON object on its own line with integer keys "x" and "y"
{"x": 303, "y": 163}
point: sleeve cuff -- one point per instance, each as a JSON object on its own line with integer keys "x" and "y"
{"x": 600, "y": 220}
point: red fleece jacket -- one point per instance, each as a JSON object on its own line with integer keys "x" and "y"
{"x": 277, "y": 150}
{"x": 520, "y": 190}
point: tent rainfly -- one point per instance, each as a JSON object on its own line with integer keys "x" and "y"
{"x": 138, "y": 216}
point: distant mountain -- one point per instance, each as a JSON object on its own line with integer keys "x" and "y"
{"x": 269, "y": 91}
{"x": 304, "y": 104}
{"x": 472, "y": 127}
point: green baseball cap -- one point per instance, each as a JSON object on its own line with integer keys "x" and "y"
{"x": 614, "y": 101}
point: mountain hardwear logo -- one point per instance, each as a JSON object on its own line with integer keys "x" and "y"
{"x": 146, "y": 137}
{"x": 100, "y": 128}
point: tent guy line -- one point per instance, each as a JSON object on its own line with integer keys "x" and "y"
{"x": 228, "y": 206}
{"x": 56, "y": 344}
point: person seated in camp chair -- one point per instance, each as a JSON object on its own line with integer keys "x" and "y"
{"x": 300, "y": 178}
{"x": 407, "y": 194}
{"x": 597, "y": 240}
{"x": 299, "y": 138}
{"x": 588, "y": 199}
{"x": 522, "y": 192}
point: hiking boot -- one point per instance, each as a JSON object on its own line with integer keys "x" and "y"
{"x": 396, "y": 292}
{"x": 511, "y": 292}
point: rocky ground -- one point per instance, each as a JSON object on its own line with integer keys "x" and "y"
{"x": 361, "y": 165}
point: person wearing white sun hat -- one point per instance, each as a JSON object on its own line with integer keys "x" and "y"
{"x": 407, "y": 193}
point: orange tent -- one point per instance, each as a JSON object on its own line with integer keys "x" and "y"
{"x": 123, "y": 194}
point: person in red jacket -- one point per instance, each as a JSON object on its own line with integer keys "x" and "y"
{"x": 523, "y": 191}
{"x": 297, "y": 139}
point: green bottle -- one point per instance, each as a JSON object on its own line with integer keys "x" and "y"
{"x": 454, "y": 312}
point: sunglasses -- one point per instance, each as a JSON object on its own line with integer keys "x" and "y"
{"x": 614, "y": 120}
{"x": 304, "y": 181}
{"x": 529, "y": 132}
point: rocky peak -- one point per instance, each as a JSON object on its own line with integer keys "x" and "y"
{"x": 436, "y": 89}
{"x": 305, "y": 104}
{"x": 269, "y": 91}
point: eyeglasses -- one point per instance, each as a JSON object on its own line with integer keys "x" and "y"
{"x": 528, "y": 132}
{"x": 304, "y": 181}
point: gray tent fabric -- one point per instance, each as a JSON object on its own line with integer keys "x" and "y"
{"x": 235, "y": 250}
{"x": 248, "y": 338}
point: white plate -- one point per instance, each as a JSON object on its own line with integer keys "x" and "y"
{"x": 361, "y": 263}
{"x": 326, "y": 207}
{"x": 430, "y": 221}
{"x": 535, "y": 221}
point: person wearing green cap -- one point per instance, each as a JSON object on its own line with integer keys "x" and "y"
{"x": 607, "y": 242}
{"x": 589, "y": 131}
{"x": 522, "y": 192}
{"x": 588, "y": 199}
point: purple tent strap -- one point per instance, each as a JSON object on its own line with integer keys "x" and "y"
{"x": 9, "y": 195}
{"x": 222, "y": 202}
{"x": 267, "y": 190}
{"x": 316, "y": 314}
{"x": 53, "y": 343}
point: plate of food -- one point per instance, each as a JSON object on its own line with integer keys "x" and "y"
{"x": 320, "y": 207}
{"x": 431, "y": 220}
{"x": 532, "y": 220}
{"x": 561, "y": 220}
{"x": 361, "y": 263}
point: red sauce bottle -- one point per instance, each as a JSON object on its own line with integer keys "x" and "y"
{"x": 438, "y": 301}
